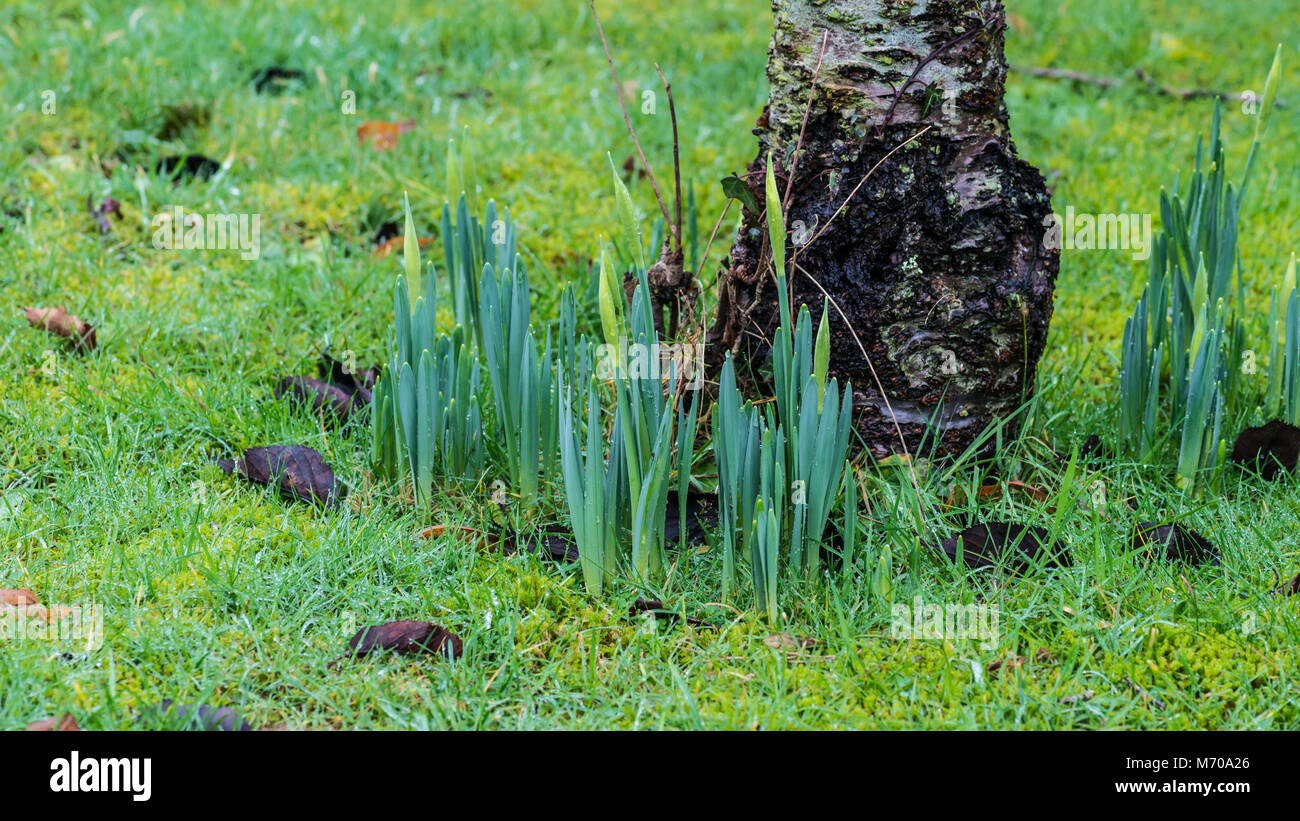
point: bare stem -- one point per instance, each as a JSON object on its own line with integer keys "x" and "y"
{"x": 618, "y": 89}
{"x": 705, "y": 256}
{"x": 677, "y": 161}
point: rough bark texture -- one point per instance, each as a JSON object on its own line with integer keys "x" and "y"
{"x": 938, "y": 259}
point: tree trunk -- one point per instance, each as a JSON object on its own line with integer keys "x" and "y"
{"x": 938, "y": 260}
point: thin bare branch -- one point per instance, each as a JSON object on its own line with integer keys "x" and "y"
{"x": 705, "y": 256}
{"x": 1066, "y": 74}
{"x": 1139, "y": 72}
{"x": 677, "y": 161}
{"x": 618, "y": 89}
{"x": 1187, "y": 93}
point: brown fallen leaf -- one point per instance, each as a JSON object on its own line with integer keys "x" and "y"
{"x": 464, "y": 533}
{"x": 992, "y": 490}
{"x": 19, "y": 597}
{"x": 473, "y": 91}
{"x": 342, "y": 391}
{"x": 1290, "y": 588}
{"x": 276, "y": 80}
{"x": 959, "y": 498}
{"x": 1270, "y": 450}
{"x": 407, "y": 637}
{"x": 386, "y": 231}
{"x": 701, "y": 514}
{"x": 61, "y": 323}
{"x": 558, "y": 546}
{"x": 383, "y": 135}
{"x": 318, "y": 396}
{"x": 169, "y": 715}
{"x": 353, "y": 381}
{"x": 397, "y": 244}
{"x": 62, "y": 724}
{"x": 1019, "y": 547}
{"x": 1012, "y": 663}
{"x": 53, "y": 614}
{"x": 49, "y": 615}
{"x": 785, "y": 641}
{"x": 297, "y": 470}
{"x": 1035, "y": 493}
{"x": 1091, "y": 447}
{"x": 1174, "y": 542}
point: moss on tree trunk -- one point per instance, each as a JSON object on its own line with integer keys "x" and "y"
{"x": 938, "y": 259}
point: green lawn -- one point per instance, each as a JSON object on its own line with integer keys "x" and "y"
{"x": 221, "y": 593}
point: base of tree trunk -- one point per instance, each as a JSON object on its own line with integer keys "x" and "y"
{"x": 938, "y": 260}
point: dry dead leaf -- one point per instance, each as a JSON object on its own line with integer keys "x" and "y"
{"x": 99, "y": 213}
{"x": 785, "y": 641}
{"x": 397, "y": 244}
{"x": 558, "y": 546}
{"x": 319, "y": 396}
{"x": 1290, "y": 588}
{"x": 1019, "y": 547}
{"x": 299, "y": 471}
{"x": 407, "y": 637}
{"x": 19, "y": 597}
{"x": 468, "y": 535}
{"x": 51, "y": 614}
{"x": 383, "y": 135}
{"x": 1011, "y": 663}
{"x": 61, "y": 323}
{"x": 168, "y": 714}
{"x": 1174, "y": 542}
{"x": 995, "y": 490}
{"x": 1270, "y": 450}
{"x": 62, "y": 724}
{"x": 432, "y": 532}
{"x": 630, "y": 167}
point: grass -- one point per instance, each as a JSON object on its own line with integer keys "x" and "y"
{"x": 221, "y": 593}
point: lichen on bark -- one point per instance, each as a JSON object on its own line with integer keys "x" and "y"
{"x": 938, "y": 259}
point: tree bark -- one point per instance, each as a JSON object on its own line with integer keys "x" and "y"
{"x": 938, "y": 260}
